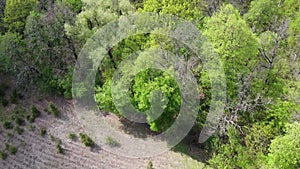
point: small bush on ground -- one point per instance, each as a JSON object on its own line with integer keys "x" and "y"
{"x": 86, "y": 140}
{"x": 3, "y": 155}
{"x": 59, "y": 148}
{"x": 150, "y": 165}
{"x": 72, "y": 136}
{"x": 53, "y": 110}
{"x": 8, "y": 125}
{"x": 19, "y": 130}
{"x": 43, "y": 132}
{"x": 35, "y": 112}
{"x": 20, "y": 121}
{"x": 14, "y": 97}
{"x": 11, "y": 149}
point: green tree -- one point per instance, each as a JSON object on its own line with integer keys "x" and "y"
{"x": 285, "y": 149}
{"x": 16, "y": 12}
{"x": 236, "y": 45}
{"x": 262, "y": 13}
{"x": 52, "y": 53}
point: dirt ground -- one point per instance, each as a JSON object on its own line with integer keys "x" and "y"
{"x": 37, "y": 152}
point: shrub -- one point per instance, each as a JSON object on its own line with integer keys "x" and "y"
{"x": 31, "y": 127}
{"x": 59, "y": 149}
{"x": 43, "y": 132}
{"x": 4, "y": 102}
{"x": 35, "y": 112}
{"x": 9, "y": 135}
{"x": 150, "y": 165}
{"x": 19, "y": 121}
{"x": 19, "y": 130}
{"x": 72, "y": 136}
{"x": 14, "y": 97}
{"x": 53, "y": 109}
{"x": 3, "y": 155}
{"x": 111, "y": 142}
{"x": 8, "y": 125}
{"x": 11, "y": 149}
{"x": 86, "y": 140}
{"x": 2, "y": 89}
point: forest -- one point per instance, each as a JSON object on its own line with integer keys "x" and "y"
{"x": 257, "y": 43}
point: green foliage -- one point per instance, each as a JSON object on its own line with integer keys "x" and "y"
{"x": 76, "y": 5}
{"x": 235, "y": 43}
{"x": 59, "y": 149}
{"x": 185, "y": 9}
{"x": 86, "y": 140}
{"x": 15, "y": 14}
{"x": 285, "y": 150}
{"x": 14, "y": 97}
{"x": 19, "y": 130}
{"x": 11, "y": 149}
{"x": 8, "y": 125}
{"x": 72, "y": 136}
{"x": 3, "y": 155}
{"x": 43, "y": 132}
{"x": 10, "y": 48}
{"x": 35, "y": 112}
{"x": 53, "y": 109}
{"x": 4, "y": 102}
{"x": 261, "y": 14}
{"x": 104, "y": 99}
{"x": 149, "y": 165}
{"x": 20, "y": 121}
{"x": 95, "y": 14}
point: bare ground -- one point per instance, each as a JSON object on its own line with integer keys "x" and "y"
{"x": 37, "y": 152}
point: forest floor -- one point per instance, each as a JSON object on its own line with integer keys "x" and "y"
{"x": 39, "y": 152}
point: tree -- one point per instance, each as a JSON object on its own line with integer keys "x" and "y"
{"x": 262, "y": 13}
{"x": 52, "y": 52}
{"x": 94, "y": 15}
{"x": 285, "y": 150}
{"x": 236, "y": 45}
{"x": 16, "y": 12}
{"x": 2, "y": 9}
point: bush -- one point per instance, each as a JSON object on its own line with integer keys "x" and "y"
{"x": 14, "y": 97}
{"x": 86, "y": 140}
{"x": 19, "y": 130}
{"x": 111, "y": 142}
{"x": 3, "y": 155}
{"x": 43, "y": 132}
{"x": 19, "y": 121}
{"x": 35, "y": 112}
{"x": 53, "y": 109}
{"x": 8, "y": 125}
{"x": 150, "y": 165}
{"x": 11, "y": 149}
{"x": 59, "y": 149}
{"x": 72, "y": 136}
{"x": 4, "y": 102}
